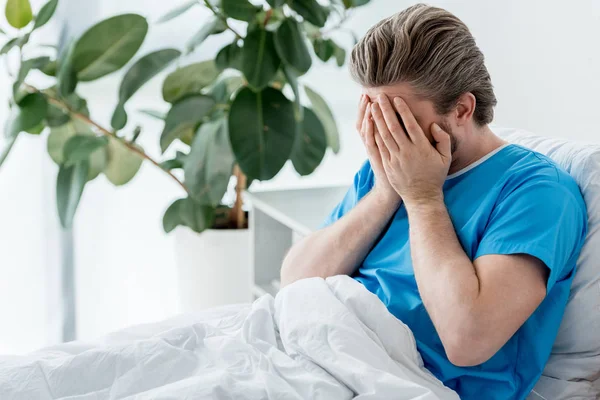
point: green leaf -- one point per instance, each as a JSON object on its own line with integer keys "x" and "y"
{"x": 66, "y": 76}
{"x": 8, "y": 46}
{"x": 291, "y": 46}
{"x": 276, "y": 17}
{"x": 292, "y": 79}
{"x": 119, "y": 117}
{"x": 69, "y": 188}
{"x": 324, "y": 49}
{"x": 50, "y": 69}
{"x": 279, "y": 80}
{"x": 14, "y": 42}
{"x": 37, "y": 62}
{"x": 340, "y": 55}
{"x": 23, "y": 40}
{"x": 8, "y": 145}
{"x": 213, "y": 26}
{"x": 172, "y": 219}
{"x": 259, "y": 58}
{"x": 143, "y": 70}
{"x": 36, "y": 130}
{"x": 176, "y": 12}
{"x": 224, "y": 87}
{"x": 311, "y": 11}
{"x": 320, "y": 107}
{"x": 185, "y": 115}
{"x": 26, "y": 66}
{"x": 310, "y": 145}
{"x": 98, "y": 160}
{"x": 60, "y": 135}
{"x": 18, "y": 13}
{"x": 174, "y": 163}
{"x": 108, "y": 46}
{"x": 239, "y": 9}
{"x": 27, "y": 114}
{"x": 261, "y": 131}
{"x": 122, "y": 164}
{"x": 311, "y": 30}
{"x": 56, "y": 116}
{"x": 140, "y": 72}
{"x": 355, "y": 3}
{"x": 188, "y": 213}
{"x": 135, "y": 134}
{"x": 45, "y": 13}
{"x": 276, "y": 3}
{"x": 229, "y": 56}
{"x": 154, "y": 114}
{"x": 79, "y": 148}
{"x": 208, "y": 166}
{"x": 189, "y": 79}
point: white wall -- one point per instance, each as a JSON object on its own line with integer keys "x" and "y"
{"x": 543, "y": 57}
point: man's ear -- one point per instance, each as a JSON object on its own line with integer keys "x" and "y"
{"x": 465, "y": 107}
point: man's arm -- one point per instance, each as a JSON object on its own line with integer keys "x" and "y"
{"x": 339, "y": 248}
{"x": 475, "y": 306}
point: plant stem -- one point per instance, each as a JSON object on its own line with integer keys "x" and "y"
{"x": 238, "y": 215}
{"x": 268, "y": 17}
{"x": 106, "y": 132}
{"x": 222, "y": 18}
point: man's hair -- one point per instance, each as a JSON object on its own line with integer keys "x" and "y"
{"x": 431, "y": 49}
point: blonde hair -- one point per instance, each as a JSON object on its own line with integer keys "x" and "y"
{"x": 431, "y": 49}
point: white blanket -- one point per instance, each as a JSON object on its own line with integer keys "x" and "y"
{"x": 318, "y": 339}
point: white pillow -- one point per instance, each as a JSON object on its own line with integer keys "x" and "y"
{"x": 574, "y": 364}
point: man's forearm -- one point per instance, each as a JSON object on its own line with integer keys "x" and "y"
{"x": 446, "y": 277}
{"x": 339, "y": 248}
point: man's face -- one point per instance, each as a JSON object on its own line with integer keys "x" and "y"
{"x": 423, "y": 110}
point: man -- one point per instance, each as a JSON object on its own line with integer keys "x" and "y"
{"x": 468, "y": 240}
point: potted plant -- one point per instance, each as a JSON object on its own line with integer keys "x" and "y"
{"x": 233, "y": 113}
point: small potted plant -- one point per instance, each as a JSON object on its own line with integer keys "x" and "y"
{"x": 241, "y": 114}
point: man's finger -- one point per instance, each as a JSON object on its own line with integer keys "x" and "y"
{"x": 383, "y": 150}
{"x": 414, "y": 131}
{"x": 365, "y": 120}
{"x": 389, "y": 114}
{"x": 382, "y": 128}
{"x": 443, "y": 144}
{"x": 368, "y": 128}
{"x": 362, "y": 106}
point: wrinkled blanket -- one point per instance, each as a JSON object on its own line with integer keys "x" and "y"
{"x": 318, "y": 339}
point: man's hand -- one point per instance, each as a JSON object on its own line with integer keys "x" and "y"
{"x": 414, "y": 168}
{"x": 364, "y": 125}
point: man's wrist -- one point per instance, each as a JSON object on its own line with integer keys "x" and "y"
{"x": 432, "y": 203}
{"x": 386, "y": 198}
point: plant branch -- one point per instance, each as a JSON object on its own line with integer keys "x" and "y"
{"x": 268, "y": 17}
{"x": 222, "y": 18}
{"x": 238, "y": 215}
{"x": 105, "y": 132}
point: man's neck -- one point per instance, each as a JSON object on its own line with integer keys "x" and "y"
{"x": 479, "y": 143}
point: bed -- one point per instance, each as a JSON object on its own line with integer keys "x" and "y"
{"x": 317, "y": 339}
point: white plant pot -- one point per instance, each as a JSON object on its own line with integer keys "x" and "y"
{"x": 213, "y": 267}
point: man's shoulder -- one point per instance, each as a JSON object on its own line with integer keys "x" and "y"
{"x": 531, "y": 169}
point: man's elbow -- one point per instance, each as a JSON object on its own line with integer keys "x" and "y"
{"x": 468, "y": 349}
{"x": 465, "y": 357}
{"x": 286, "y": 273}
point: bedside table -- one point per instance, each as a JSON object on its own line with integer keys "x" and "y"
{"x": 277, "y": 220}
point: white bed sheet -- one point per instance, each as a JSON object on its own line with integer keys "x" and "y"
{"x": 319, "y": 339}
